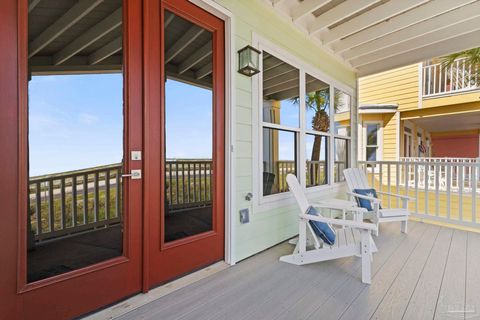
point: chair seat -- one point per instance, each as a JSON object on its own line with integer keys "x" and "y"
{"x": 386, "y": 213}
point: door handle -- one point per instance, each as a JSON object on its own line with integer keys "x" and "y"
{"x": 134, "y": 174}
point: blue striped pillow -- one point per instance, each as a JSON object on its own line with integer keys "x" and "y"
{"x": 365, "y": 203}
{"x": 323, "y": 230}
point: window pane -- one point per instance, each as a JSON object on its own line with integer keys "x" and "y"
{"x": 341, "y": 158}
{"x": 75, "y": 145}
{"x": 317, "y": 104}
{"x": 372, "y": 131}
{"x": 280, "y": 92}
{"x": 316, "y": 155}
{"x": 342, "y": 103}
{"x": 279, "y": 159}
{"x": 371, "y": 153}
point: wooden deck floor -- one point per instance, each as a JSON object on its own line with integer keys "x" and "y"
{"x": 431, "y": 273}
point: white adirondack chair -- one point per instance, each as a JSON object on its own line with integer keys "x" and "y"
{"x": 356, "y": 179}
{"x": 352, "y": 240}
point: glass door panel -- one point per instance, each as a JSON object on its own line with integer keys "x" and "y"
{"x": 188, "y": 129}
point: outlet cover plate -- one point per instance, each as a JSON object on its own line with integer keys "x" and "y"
{"x": 244, "y": 216}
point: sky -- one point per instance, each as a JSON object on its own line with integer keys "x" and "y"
{"x": 76, "y": 122}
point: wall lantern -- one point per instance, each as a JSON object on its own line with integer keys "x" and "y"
{"x": 249, "y": 61}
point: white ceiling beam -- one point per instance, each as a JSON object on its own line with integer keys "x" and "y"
{"x": 338, "y": 13}
{"x": 106, "y": 51}
{"x": 306, "y": 7}
{"x": 424, "y": 12}
{"x": 286, "y": 77}
{"x": 32, "y": 4}
{"x": 195, "y": 58}
{"x": 72, "y": 16}
{"x": 193, "y": 33}
{"x": 417, "y": 30}
{"x": 419, "y": 42}
{"x": 282, "y": 87}
{"x": 369, "y": 18}
{"x": 108, "y": 24}
{"x": 168, "y": 19}
{"x": 278, "y": 71}
{"x": 448, "y": 46}
{"x": 203, "y": 71}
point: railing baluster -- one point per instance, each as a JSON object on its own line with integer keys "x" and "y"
{"x": 460, "y": 193}
{"x": 397, "y": 182}
{"x": 425, "y": 182}
{"x": 415, "y": 172}
{"x": 74, "y": 201}
{"x": 170, "y": 182}
{"x": 96, "y": 199}
{"x": 85, "y": 199}
{"x": 388, "y": 185}
{"x": 474, "y": 193}
{"x": 38, "y": 207}
{"x": 449, "y": 183}
{"x": 177, "y": 183}
{"x": 188, "y": 186}
{"x": 51, "y": 206}
{"x": 437, "y": 189}
{"x": 118, "y": 192}
{"x": 107, "y": 195}
{"x": 62, "y": 204}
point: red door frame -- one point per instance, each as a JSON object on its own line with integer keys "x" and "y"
{"x": 164, "y": 261}
{"x": 52, "y": 298}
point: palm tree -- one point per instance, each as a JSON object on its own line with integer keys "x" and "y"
{"x": 472, "y": 57}
{"x": 319, "y": 102}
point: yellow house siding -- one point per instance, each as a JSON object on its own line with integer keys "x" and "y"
{"x": 390, "y": 137}
{"x": 398, "y": 86}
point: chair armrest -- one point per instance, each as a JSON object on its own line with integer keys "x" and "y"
{"x": 341, "y": 222}
{"x": 396, "y": 195}
{"x": 376, "y": 200}
{"x": 334, "y": 206}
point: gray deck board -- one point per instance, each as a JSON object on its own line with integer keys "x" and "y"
{"x": 424, "y": 274}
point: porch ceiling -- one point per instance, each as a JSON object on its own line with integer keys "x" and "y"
{"x": 85, "y": 36}
{"x": 371, "y": 36}
{"x": 455, "y": 122}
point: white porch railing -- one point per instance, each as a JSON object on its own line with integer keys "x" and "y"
{"x": 459, "y": 77}
{"x": 445, "y": 191}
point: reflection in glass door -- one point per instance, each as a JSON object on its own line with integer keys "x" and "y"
{"x": 75, "y": 141}
{"x": 188, "y": 161}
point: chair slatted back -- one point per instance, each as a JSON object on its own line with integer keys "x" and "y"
{"x": 356, "y": 179}
{"x": 298, "y": 193}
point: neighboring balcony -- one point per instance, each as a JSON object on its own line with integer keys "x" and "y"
{"x": 438, "y": 80}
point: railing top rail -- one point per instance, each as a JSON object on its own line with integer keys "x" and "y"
{"x": 72, "y": 173}
{"x": 439, "y": 63}
{"x": 431, "y": 163}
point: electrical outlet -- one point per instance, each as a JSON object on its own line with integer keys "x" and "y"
{"x": 244, "y": 216}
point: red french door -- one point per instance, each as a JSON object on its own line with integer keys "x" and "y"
{"x": 184, "y": 140}
{"x": 78, "y": 231}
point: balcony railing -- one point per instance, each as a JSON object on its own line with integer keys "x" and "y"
{"x": 458, "y": 77}
{"x": 67, "y": 203}
{"x": 70, "y": 202}
{"x": 444, "y": 191}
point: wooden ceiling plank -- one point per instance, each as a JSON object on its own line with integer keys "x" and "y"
{"x": 419, "y": 42}
{"x": 370, "y": 18}
{"x": 192, "y": 33}
{"x": 338, "y": 13}
{"x": 307, "y": 7}
{"x": 204, "y": 71}
{"x": 425, "y": 27}
{"x": 196, "y": 57}
{"x": 96, "y": 32}
{"x": 32, "y": 4}
{"x": 106, "y": 51}
{"x": 448, "y": 46}
{"x": 427, "y": 11}
{"x": 72, "y": 16}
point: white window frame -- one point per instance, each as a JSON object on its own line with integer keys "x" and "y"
{"x": 379, "y": 140}
{"x": 410, "y": 134}
{"x": 261, "y": 202}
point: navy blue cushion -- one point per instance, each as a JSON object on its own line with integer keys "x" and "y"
{"x": 365, "y": 203}
{"x": 323, "y": 230}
